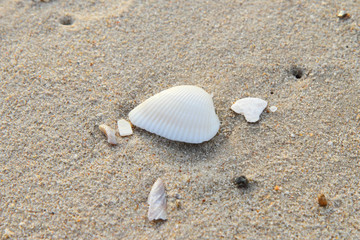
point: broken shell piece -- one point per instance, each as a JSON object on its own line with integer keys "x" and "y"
{"x": 8, "y": 234}
{"x": 343, "y": 15}
{"x": 109, "y": 132}
{"x": 251, "y": 108}
{"x": 157, "y": 201}
{"x": 124, "y": 128}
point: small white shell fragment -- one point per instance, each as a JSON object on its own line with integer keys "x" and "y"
{"x": 109, "y": 133}
{"x": 124, "y": 128}
{"x": 8, "y": 234}
{"x": 343, "y": 15}
{"x": 157, "y": 201}
{"x": 273, "y": 109}
{"x": 183, "y": 113}
{"x": 251, "y": 108}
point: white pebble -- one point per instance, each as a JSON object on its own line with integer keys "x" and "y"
{"x": 109, "y": 133}
{"x": 273, "y": 109}
{"x": 157, "y": 201}
{"x": 124, "y": 128}
{"x": 251, "y": 108}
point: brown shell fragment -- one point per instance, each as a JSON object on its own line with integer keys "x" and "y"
{"x": 322, "y": 200}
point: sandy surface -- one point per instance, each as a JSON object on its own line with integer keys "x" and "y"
{"x": 61, "y": 179}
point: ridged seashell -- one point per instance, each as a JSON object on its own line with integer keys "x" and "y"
{"x": 182, "y": 113}
{"x": 124, "y": 128}
{"x": 109, "y": 132}
{"x": 251, "y": 108}
{"x": 157, "y": 201}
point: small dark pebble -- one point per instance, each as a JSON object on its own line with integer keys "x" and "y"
{"x": 241, "y": 182}
{"x": 66, "y": 20}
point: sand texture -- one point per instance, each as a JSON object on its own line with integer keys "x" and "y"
{"x": 69, "y": 66}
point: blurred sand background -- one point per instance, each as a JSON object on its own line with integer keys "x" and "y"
{"x": 60, "y": 179}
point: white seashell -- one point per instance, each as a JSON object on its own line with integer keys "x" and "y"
{"x": 124, "y": 128}
{"x": 182, "y": 113}
{"x": 109, "y": 133}
{"x": 273, "y": 109}
{"x": 157, "y": 201}
{"x": 251, "y": 108}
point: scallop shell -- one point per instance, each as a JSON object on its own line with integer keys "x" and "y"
{"x": 182, "y": 113}
{"x": 157, "y": 201}
{"x": 251, "y": 108}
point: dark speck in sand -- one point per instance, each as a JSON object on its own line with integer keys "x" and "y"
{"x": 66, "y": 20}
{"x": 296, "y": 72}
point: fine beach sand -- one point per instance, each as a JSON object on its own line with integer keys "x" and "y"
{"x": 60, "y": 179}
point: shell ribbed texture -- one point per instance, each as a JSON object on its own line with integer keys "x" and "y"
{"x": 182, "y": 113}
